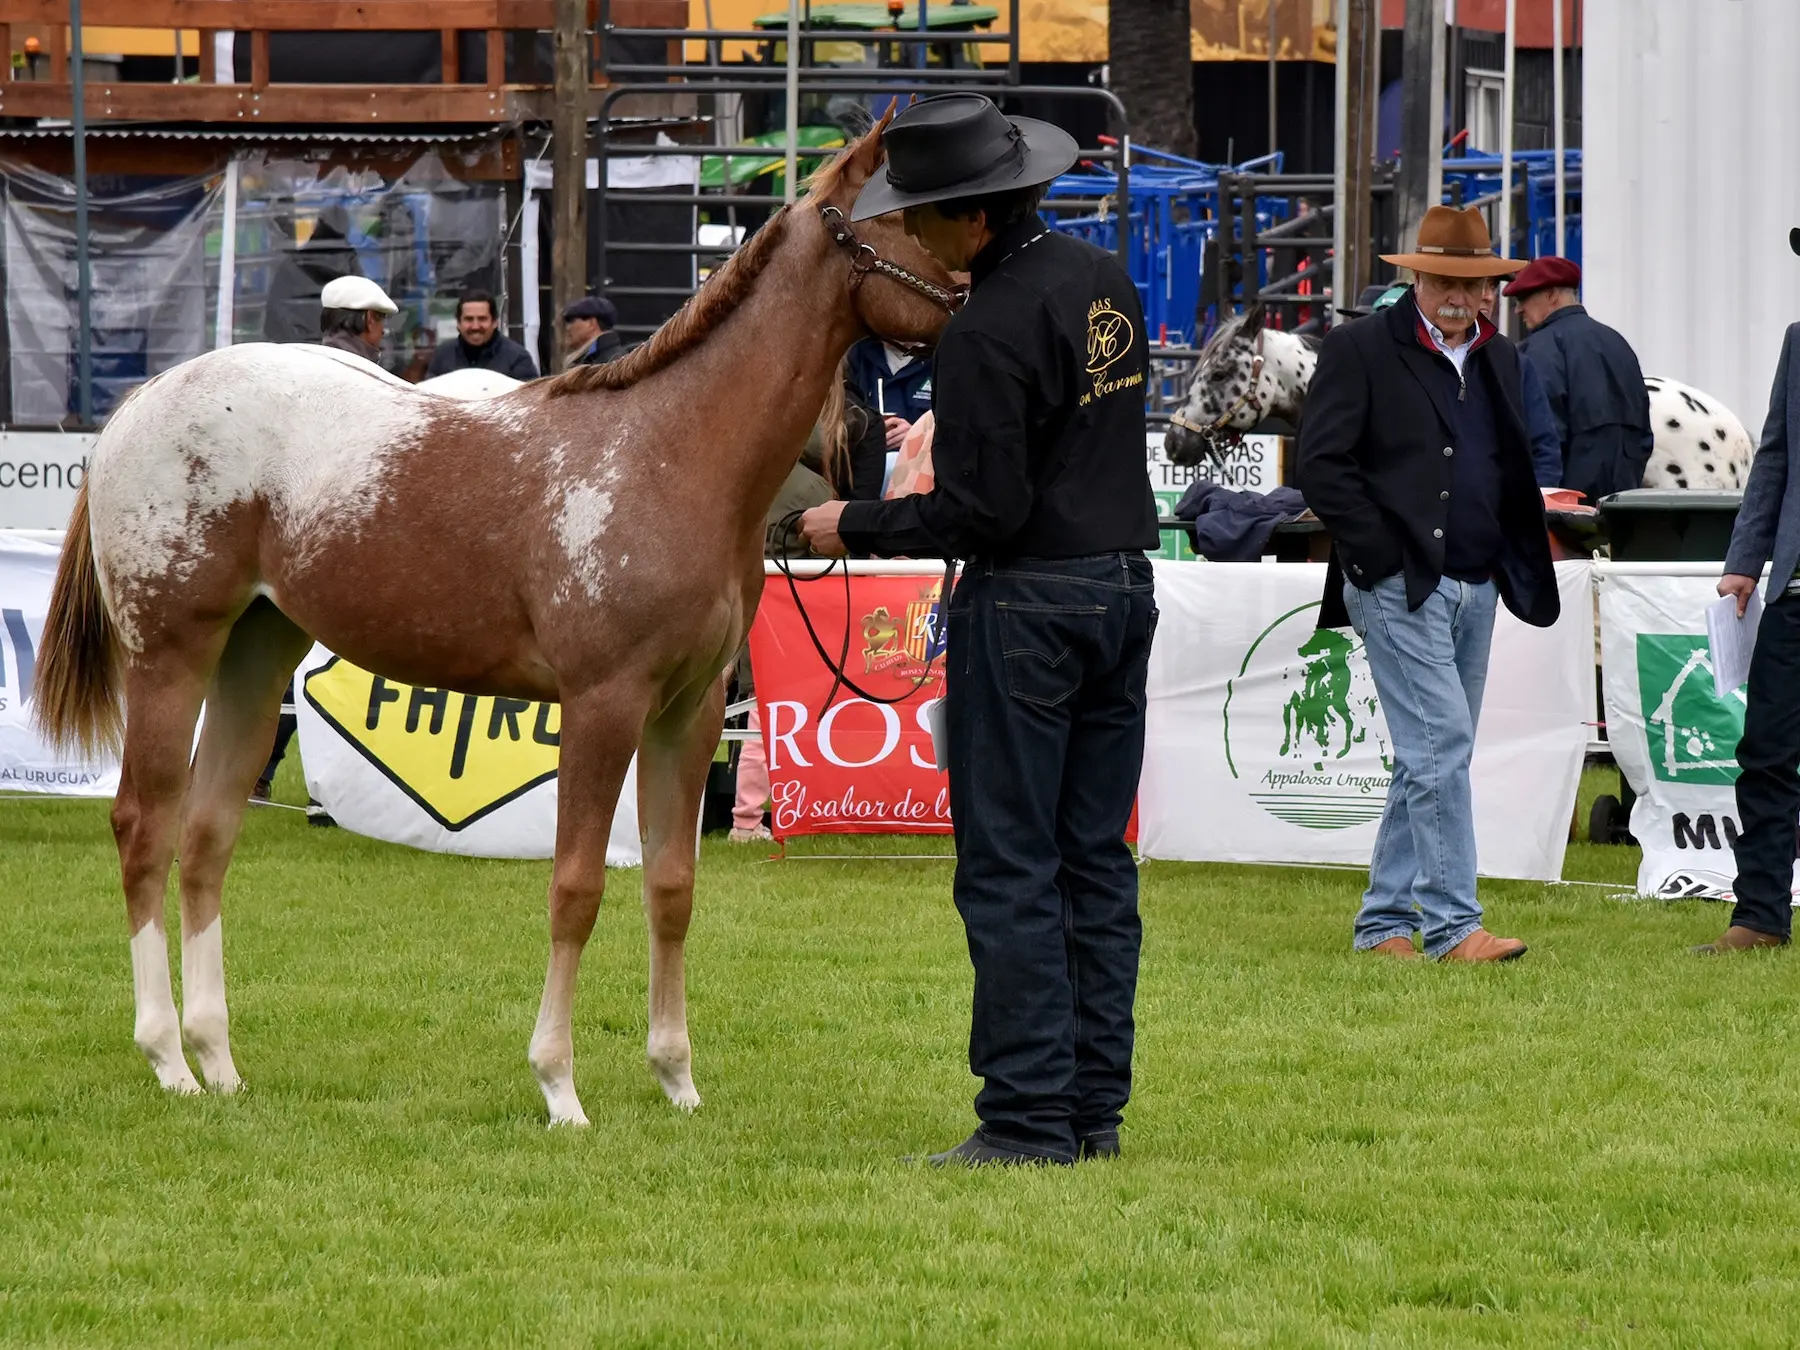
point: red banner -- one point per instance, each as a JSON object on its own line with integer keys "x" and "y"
{"x": 860, "y": 767}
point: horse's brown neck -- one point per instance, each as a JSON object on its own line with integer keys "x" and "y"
{"x": 770, "y": 365}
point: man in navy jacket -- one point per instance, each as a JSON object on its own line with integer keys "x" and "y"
{"x": 1768, "y": 786}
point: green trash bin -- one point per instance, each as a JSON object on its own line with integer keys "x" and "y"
{"x": 1669, "y": 524}
{"x": 1658, "y": 525}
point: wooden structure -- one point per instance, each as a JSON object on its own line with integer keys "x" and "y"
{"x": 263, "y": 102}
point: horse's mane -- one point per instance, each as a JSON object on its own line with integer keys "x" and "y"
{"x": 713, "y": 303}
{"x": 689, "y": 326}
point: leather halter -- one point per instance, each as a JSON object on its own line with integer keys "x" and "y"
{"x": 864, "y": 261}
{"x": 1212, "y": 432}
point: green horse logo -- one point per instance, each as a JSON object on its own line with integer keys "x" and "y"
{"x": 1320, "y": 708}
{"x": 1303, "y": 728}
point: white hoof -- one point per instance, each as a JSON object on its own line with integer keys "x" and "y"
{"x": 674, "y": 1070}
{"x": 162, "y": 1047}
{"x": 212, "y": 1052}
{"x": 565, "y": 1107}
{"x": 179, "y": 1080}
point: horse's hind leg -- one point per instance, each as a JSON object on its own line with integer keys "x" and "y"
{"x": 242, "y": 704}
{"x": 672, "y": 768}
{"x": 162, "y": 699}
{"x": 600, "y": 730}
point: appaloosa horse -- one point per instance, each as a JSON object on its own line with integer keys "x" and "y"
{"x": 594, "y": 538}
{"x": 1248, "y": 372}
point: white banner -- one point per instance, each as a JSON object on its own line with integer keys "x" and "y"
{"x": 1266, "y": 741}
{"x": 27, "y": 572}
{"x": 1674, "y": 738}
{"x": 40, "y": 473}
{"x": 437, "y": 770}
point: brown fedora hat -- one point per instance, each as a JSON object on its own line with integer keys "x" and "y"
{"x": 1455, "y": 243}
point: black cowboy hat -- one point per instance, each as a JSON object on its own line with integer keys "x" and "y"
{"x": 961, "y": 145}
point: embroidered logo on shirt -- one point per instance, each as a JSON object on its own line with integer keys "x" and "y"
{"x": 1110, "y": 337}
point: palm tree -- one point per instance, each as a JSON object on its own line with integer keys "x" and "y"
{"x": 1150, "y": 70}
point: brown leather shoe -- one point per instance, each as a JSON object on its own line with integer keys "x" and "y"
{"x": 1400, "y": 948}
{"x": 1739, "y": 939}
{"x": 1482, "y": 945}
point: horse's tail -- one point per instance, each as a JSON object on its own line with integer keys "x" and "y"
{"x": 76, "y": 692}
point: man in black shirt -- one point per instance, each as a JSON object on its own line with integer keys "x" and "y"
{"x": 1038, "y": 395}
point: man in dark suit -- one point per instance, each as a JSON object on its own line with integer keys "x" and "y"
{"x": 1768, "y": 786}
{"x": 1416, "y": 456}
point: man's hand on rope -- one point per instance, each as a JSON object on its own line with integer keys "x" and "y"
{"x": 818, "y": 530}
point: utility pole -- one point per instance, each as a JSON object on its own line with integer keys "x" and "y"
{"x": 568, "y": 186}
{"x": 84, "y": 276}
{"x": 1358, "y": 95}
{"x": 1274, "y": 56}
{"x": 1421, "y": 114}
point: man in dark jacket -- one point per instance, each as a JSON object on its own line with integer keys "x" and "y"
{"x": 588, "y": 332}
{"x": 893, "y": 381}
{"x": 1591, "y": 375}
{"x": 1415, "y": 455}
{"x": 479, "y": 344}
{"x": 1040, "y": 486}
{"x": 1768, "y": 786}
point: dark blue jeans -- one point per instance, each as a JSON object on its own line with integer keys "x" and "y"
{"x": 1045, "y": 713}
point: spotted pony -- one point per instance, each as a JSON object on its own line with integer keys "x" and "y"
{"x": 1248, "y": 373}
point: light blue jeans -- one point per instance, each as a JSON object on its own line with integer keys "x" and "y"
{"x": 1430, "y": 668}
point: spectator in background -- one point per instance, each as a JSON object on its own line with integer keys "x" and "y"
{"x": 588, "y": 326}
{"x": 1546, "y": 449}
{"x": 845, "y": 456}
{"x": 894, "y": 382}
{"x": 479, "y": 344}
{"x": 1592, "y": 379}
{"x": 353, "y": 315}
{"x": 352, "y": 318}
{"x": 1416, "y": 457}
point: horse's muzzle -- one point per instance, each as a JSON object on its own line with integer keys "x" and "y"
{"x": 1183, "y": 445}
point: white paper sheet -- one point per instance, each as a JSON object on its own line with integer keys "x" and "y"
{"x": 1730, "y": 640}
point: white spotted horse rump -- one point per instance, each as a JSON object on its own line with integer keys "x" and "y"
{"x": 468, "y": 384}
{"x": 1699, "y": 443}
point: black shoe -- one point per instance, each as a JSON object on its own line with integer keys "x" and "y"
{"x": 1101, "y": 1144}
{"x": 317, "y": 815}
{"x": 975, "y": 1151}
{"x": 260, "y": 793}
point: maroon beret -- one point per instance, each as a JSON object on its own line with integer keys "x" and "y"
{"x": 1543, "y": 273}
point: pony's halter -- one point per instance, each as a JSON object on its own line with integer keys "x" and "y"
{"x": 1219, "y": 430}
{"x": 864, "y": 260}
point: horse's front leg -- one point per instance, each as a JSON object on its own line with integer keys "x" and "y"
{"x": 672, "y": 767}
{"x": 600, "y": 728}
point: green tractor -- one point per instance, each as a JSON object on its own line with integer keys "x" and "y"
{"x": 828, "y": 120}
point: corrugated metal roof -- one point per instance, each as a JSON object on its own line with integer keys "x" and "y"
{"x": 320, "y": 134}
{"x": 1689, "y": 189}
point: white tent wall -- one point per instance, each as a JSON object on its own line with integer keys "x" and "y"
{"x": 1690, "y": 187}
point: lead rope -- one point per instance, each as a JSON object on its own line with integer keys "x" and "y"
{"x": 840, "y": 676}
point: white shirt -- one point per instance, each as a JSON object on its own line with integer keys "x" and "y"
{"x": 1457, "y": 354}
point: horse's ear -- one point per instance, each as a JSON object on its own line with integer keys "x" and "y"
{"x": 867, "y": 154}
{"x": 1253, "y": 320}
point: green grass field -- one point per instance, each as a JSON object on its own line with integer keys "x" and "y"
{"x": 1591, "y": 1147}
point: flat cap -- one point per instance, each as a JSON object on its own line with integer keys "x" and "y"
{"x": 356, "y": 293}
{"x": 1544, "y": 273}
{"x": 596, "y": 307}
